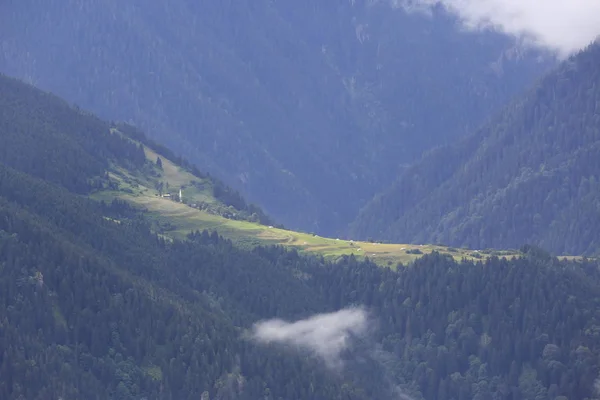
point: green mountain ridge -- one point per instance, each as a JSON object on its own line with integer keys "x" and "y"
{"x": 529, "y": 175}
{"x": 95, "y": 304}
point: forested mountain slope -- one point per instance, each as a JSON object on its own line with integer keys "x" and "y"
{"x": 95, "y": 305}
{"x": 94, "y": 309}
{"x": 309, "y": 108}
{"x": 77, "y": 150}
{"x": 529, "y": 175}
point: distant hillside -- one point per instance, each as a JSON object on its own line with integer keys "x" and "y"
{"x": 309, "y": 108}
{"x": 530, "y": 175}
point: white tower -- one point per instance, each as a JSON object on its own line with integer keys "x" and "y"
{"x": 180, "y": 196}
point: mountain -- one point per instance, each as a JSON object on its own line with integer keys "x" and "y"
{"x": 97, "y": 303}
{"x": 530, "y": 175}
{"x": 307, "y": 108}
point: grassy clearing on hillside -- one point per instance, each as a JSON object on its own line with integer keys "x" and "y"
{"x": 184, "y": 219}
{"x": 177, "y": 219}
{"x": 177, "y": 176}
{"x": 171, "y": 178}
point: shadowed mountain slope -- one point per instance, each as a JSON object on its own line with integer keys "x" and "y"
{"x": 529, "y": 175}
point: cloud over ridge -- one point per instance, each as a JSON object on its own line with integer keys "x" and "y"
{"x": 561, "y": 26}
{"x": 325, "y": 335}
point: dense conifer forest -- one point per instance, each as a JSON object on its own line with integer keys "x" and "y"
{"x": 94, "y": 304}
{"x": 98, "y": 309}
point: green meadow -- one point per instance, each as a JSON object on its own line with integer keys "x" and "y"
{"x": 200, "y": 210}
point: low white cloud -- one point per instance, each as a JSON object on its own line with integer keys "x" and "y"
{"x": 325, "y": 335}
{"x": 561, "y": 26}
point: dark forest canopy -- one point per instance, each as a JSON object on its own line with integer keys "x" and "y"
{"x": 95, "y": 305}
{"x": 97, "y": 309}
{"x": 530, "y": 175}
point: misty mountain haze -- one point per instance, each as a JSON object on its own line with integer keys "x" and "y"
{"x": 309, "y": 108}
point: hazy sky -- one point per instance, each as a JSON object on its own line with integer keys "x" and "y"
{"x": 562, "y": 26}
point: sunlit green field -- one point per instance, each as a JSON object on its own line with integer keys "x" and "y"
{"x": 185, "y": 219}
{"x": 176, "y": 220}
